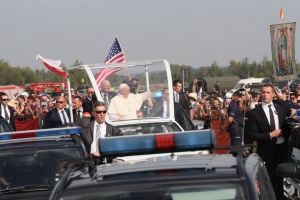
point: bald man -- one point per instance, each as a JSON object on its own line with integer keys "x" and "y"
{"x": 125, "y": 105}
{"x": 59, "y": 116}
{"x": 104, "y": 92}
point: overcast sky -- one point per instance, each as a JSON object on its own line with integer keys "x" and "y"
{"x": 189, "y": 32}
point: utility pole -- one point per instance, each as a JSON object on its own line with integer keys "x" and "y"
{"x": 183, "y": 80}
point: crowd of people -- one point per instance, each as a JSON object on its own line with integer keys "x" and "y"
{"x": 241, "y": 119}
{"x": 252, "y": 116}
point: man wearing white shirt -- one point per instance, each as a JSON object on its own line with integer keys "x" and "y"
{"x": 6, "y": 111}
{"x": 179, "y": 96}
{"x": 59, "y": 116}
{"x": 77, "y": 109}
{"x": 87, "y": 103}
{"x": 105, "y": 92}
{"x": 161, "y": 108}
{"x": 97, "y": 128}
{"x": 266, "y": 125}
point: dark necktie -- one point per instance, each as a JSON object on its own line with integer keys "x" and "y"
{"x": 105, "y": 100}
{"x": 64, "y": 116}
{"x": 78, "y": 115}
{"x": 5, "y": 113}
{"x": 272, "y": 121}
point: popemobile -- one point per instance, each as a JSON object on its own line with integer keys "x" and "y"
{"x": 150, "y": 78}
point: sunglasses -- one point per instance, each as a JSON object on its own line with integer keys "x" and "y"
{"x": 100, "y": 111}
{"x": 59, "y": 102}
{"x": 91, "y": 92}
{"x": 4, "y": 99}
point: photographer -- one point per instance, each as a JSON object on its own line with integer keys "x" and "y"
{"x": 28, "y": 111}
{"x": 134, "y": 86}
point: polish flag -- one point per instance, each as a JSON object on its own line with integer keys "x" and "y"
{"x": 52, "y": 65}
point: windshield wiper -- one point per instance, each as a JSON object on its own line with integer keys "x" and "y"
{"x": 27, "y": 188}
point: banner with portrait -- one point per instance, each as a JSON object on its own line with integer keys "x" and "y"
{"x": 283, "y": 51}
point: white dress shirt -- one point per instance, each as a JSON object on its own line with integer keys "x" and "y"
{"x": 265, "y": 107}
{"x": 103, "y": 132}
{"x": 62, "y": 118}
{"x": 3, "y": 112}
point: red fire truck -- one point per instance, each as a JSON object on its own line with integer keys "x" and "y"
{"x": 10, "y": 90}
{"x": 39, "y": 88}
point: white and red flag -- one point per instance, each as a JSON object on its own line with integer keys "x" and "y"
{"x": 115, "y": 55}
{"x": 52, "y": 65}
{"x": 281, "y": 13}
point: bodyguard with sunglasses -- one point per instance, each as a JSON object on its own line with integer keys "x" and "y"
{"x": 7, "y": 112}
{"x": 87, "y": 103}
{"x": 59, "y": 116}
{"x": 97, "y": 128}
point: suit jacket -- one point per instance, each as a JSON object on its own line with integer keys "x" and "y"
{"x": 87, "y": 105}
{"x": 109, "y": 95}
{"x": 258, "y": 129}
{"x": 184, "y": 102}
{"x": 76, "y": 121}
{"x": 52, "y": 119}
{"x": 88, "y": 130}
{"x": 12, "y": 118}
{"x": 158, "y": 110}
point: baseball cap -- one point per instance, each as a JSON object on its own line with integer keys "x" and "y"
{"x": 25, "y": 94}
{"x": 238, "y": 93}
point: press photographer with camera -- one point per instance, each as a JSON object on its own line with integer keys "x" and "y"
{"x": 29, "y": 110}
{"x": 134, "y": 85}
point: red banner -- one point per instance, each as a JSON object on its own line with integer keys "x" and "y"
{"x": 31, "y": 124}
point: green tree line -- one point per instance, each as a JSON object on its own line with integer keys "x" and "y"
{"x": 243, "y": 69}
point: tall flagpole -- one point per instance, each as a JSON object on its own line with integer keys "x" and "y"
{"x": 282, "y": 17}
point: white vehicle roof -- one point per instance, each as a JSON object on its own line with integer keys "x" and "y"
{"x": 251, "y": 80}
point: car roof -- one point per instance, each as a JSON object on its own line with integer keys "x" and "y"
{"x": 38, "y": 138}
{"x": 212, "y": 163}
{"x": 169, "y": 162}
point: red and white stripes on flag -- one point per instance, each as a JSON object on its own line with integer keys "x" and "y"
{"x": 115, "y": 55}
{"x": 52, "y": 65}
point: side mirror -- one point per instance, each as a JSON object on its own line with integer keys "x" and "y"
{"x": 290, "y": 170}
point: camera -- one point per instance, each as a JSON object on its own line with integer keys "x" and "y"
{"x": 133, "y": 85}
{"x": 26, "y": 104}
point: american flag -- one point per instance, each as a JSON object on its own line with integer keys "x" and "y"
{"x": 115, "y": 55}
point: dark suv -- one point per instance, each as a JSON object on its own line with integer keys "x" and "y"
{"x": 30, "y": 160}
{"x": 169, "y": 176}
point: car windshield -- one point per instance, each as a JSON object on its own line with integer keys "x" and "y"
{"x": 182, "y": 190}
{"x": 31, "y": 166}
{"x": 134, "y": 101}
{"x": 4, "y": 126}
{"x": 141, "y": 129}
{"x": 239, "y": 86}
